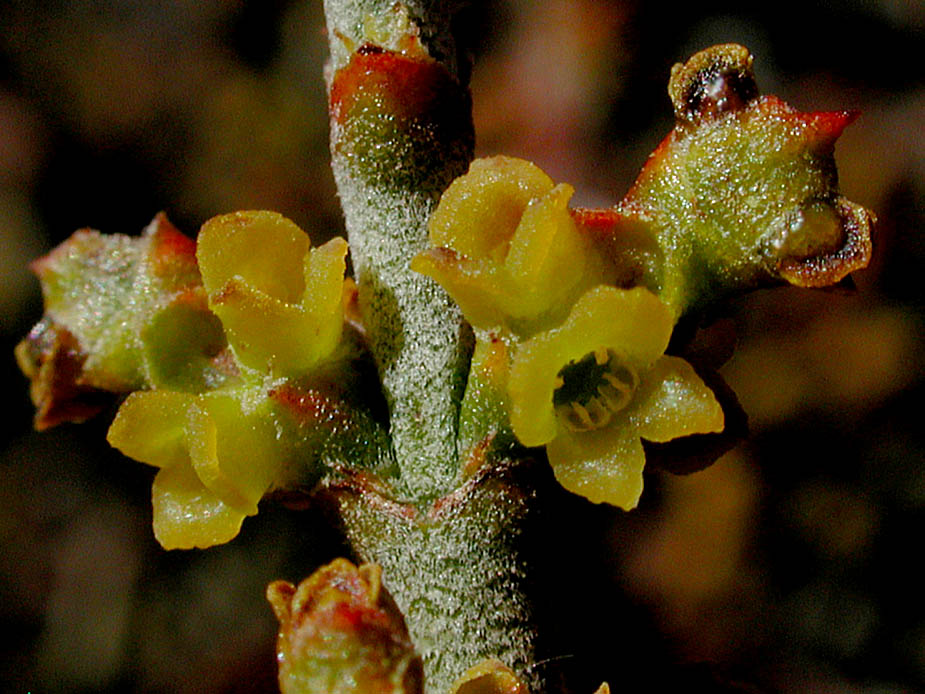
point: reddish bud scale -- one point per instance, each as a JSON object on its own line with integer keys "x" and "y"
{"x": 171, "y": 249}
{"x": 355, "y": 618}
{"x": 397, "y": 119}
{"x": 52, "y": 359}
{"x": 828, "y": 125}
{"x": 308, "y": 406}
{"x": 597, "y": 222}
{"x": 755, "y": 183}
{"x": 339, "y": 633}
{"x": 403, "y": 86}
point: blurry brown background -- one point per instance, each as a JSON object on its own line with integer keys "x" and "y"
{"x": 790, "y": 566}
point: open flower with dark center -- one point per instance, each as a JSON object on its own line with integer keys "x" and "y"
{"x": 593, "y": 388}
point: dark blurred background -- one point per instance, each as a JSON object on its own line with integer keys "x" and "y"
{"x": 788, "y": 566}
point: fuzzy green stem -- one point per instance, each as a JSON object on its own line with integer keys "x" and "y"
{"x": 400, "y": 132}
{"x": 459, "y": 572}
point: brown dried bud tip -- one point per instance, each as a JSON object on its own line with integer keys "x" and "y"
{"x": 339, "y": 632}
{"x": 714, "y": 81}
{"x": 51, "y": 358}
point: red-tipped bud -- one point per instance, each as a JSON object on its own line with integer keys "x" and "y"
{"x": 827, "y": 126}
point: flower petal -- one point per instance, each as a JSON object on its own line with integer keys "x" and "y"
{"x": 604, "y": 466}
{"x": 230, "y": 451}
{"x": 547, "y": 256}
{"x": 479, "y": 211}
{"x": 280, "y": 303}
{"x": 479, "y": 288}
{"x": 276, "y": 337}
{"x": 188, "y": 515}
{"x": 266, "y": 334}
{"x": 672, "y": 401}
{"x": 263, "y": 249}
{"x": 150, "y": 426}
{"x": 324, "y": 293}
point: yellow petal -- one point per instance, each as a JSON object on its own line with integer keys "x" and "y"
{"x": 547, "y": 255}
{"x": 477, "y": 287}
{"x": 479, "y": 212}
{"x": 264, "y": 249}
{"x": 231, "y": 452}
{"x": 188, "y": 515}
{"x": 280, "y": 303}
{"x": 604, "y": 466}
{"x": 633, "y": 322}
{"x": 672, "y": 401}
{"x": 272, "y": 336}
{"x": 149, "y": 427}
{"x": 533, "y": 380}
{"x": 324, "y": 291}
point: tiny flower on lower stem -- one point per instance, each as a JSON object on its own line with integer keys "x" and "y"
{"x": 489, "y": 677}
{"x": 591, "y": 389}
{"x": 506, "y": 248}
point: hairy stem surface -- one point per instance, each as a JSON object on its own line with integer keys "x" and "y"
{"x": 401, "y": 131}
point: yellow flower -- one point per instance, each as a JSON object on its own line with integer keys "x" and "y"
{"x": 217, "y": 458}
{"x": 506, "y": 249}
{"x": 280, "y": 306}
{"x": 280, "y": 302}
{"x": 592, "y": 388}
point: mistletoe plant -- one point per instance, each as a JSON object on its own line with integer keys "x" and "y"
{"x": 490, "y": 333}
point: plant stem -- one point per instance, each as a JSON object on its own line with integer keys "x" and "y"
{"x": 401, "y": 131}
{"x": 459, "y": 573}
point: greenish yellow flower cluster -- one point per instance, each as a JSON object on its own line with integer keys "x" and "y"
{"x": 280, "y": 305}
{"x": 564, "y": 358}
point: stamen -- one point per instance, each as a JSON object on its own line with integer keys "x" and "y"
{"x": 583, "y": 416}
{"x": 570, "y": 418}
{"x": 615, "y": 393}
{"x": 591, "y": 390}
{"x": 599, "y": 412}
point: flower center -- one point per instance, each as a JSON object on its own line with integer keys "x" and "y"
{"x": 591, "y": 390}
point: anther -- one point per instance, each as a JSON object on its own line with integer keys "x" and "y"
{"x": 608, "y": 389}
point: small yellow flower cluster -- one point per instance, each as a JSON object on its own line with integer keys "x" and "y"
{"x": 579, "y": 362}
{"x": 280, "y": 304}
